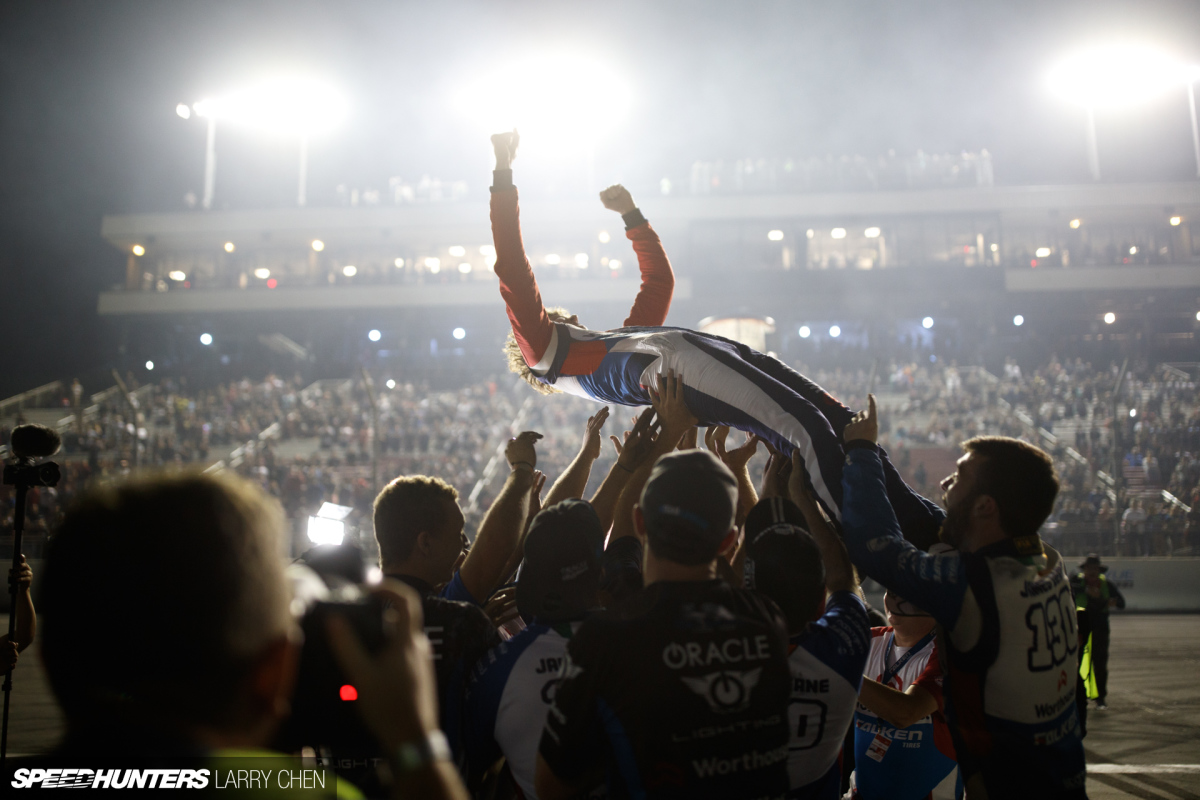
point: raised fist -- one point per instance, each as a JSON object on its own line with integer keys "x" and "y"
{"x": 505, "y": 145}
{"x": 617, "y": 198}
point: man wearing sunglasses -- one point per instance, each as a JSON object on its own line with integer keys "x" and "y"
{"x": 902, "y": 745}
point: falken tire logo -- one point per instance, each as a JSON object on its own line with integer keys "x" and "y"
{"x": 726, "y": 692}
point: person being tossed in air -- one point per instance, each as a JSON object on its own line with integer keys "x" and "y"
{"x": 725, "y": 382}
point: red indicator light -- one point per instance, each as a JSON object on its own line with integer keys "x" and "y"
{"x": 348, "y": 693}
{"x": 272, "y": 283}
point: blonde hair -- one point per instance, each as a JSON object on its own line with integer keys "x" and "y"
{"x": 516, "y": 359}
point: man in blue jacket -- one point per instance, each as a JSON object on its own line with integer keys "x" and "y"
{"x": 1003, "y": 601}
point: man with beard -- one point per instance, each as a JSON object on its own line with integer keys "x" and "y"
{"x": 1003, "y": 601}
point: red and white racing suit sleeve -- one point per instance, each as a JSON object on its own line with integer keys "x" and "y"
{"x": 658, "y": 280}
{"x": 531, "y": 326}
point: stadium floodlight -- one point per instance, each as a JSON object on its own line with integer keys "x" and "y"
{"x": 460, "y": 333}
{"x": 1133, "y": 412}
{"x": 150, "y": 365}
{"x": 1198, "y": 316}
{"x": 835, "y": 331}
{"x": 177, "y": 275}
{"x": 349, "y": 270}
{"x": 230, "y": 247}
{"x": 465, "y": 268}
{"x": 553, "y": 259}
{"x": 1115, "y": 77}
{"x": 614, "y": 264}
{"x": 374, "y": 335}
{"x": 1075, "y": 223}
{"x": 1042, "y": 252}
{"x": 457, "y": 250}
{"x": 604, "y": 236}
{"x": 1175, "y": 221}
{"x": 206, "y": 339}
{"x": 805, "y": 331}
{"x": 285, "y": 106}
{"x": 775, "y": 235}
{"x": 318, "y": 245}
{"x": 391, "y": 383}
{"x": 138, "y": 250}
{"x": 927, "y": 323}
{"x": 581, "y": 260}
{"x": 326, "y": 531}
{"x": 399, "y": 262}
{"x": 1018, "y": 320}
{"x": 838, "y": 233}
{"x": 552, "y": 98}
{"x": 184, "y": 111}
{"x": 1110, "y": 318}
{"x": 872, "y": 232}
{"x": 262, "y": 273}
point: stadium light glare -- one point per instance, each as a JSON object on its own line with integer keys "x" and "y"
{"x": 458, "y": 251}
{"x": 1115, "y": 76}
{"x": 391, "y": 384}
{"x": 287, "y": 106}
{"x": 318, "y": 245}
{"x": 1133, "y": 412}
{"x": 838, "y": 233}
{"x": 349, "y": 270}
{"x": 465, "y": 268}
{"x": 138, "y": 250}
{"x": 230, "y": 247}
{"x": 1198, "y": 316}
{"x": 1076, "y": 223}
{"x": 206, "y": 339}
{"x": 1175, "y": 221}
{"x": 374, "y": 335}
{"x": 805, "y": 331}
{"x": 399, "y": 262}
{"x": 184, "y": 111}
{"x": 551, "y": 97}
{"x": 872, "y": 232}
{"x": 810, "y": 233}
{"x": 927, "y": 323}
{"x": 581, "y": 260}
{"x": 1018, "y": 320}
{"x": 177, "y": 275}
{"x": 326, "y": 531}
{"x": 1133, "y": 250}
{"x": 150, "y": 365}
{"x": 460, "y": 333}
{"x": 433, "y": 263}
{"x": 487, "y": 250}
{"x": 775, "y": 235}
{"x": 1110, "y": 318}
{"x": 553, "y": 259}
{"x": 835, "y": 331}
{"x": 262, "y": 273}
{"x": 614, "y": 264}
{"x": 604, "y": 237}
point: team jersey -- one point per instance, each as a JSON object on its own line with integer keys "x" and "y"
{"x": 509, "y": 696}
{"x": 902, "y": 763}
{"x": 683, "y": 696}
{"x": 725, "y": 382}
{"x": 461, "y": 634}
{"x": 1011, "y": 644}
{"x": 826, "y": 663}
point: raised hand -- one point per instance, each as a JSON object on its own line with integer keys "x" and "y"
{"x": 735, "y": 459}
{"x": 864, "y": 425}
{"x": 520, "y": 451}
{"x": 668, "y": 401}
{"x": 505, "y": 146}
{"x": 591, "y": 435}
{"x": 638, "y": 442}
{"x": 617, "y": 198}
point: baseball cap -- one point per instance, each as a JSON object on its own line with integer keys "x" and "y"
{"x": 688, "y": 504}
{"x": 783, "y": 560}
{"x": 561, "y": 573}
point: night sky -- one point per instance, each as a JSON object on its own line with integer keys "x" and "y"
{"x": 88, "y": 92}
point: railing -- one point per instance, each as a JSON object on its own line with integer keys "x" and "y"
{"x": 19, "y": 401}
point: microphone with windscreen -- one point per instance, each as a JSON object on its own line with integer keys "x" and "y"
{"x": 34, "y": 441}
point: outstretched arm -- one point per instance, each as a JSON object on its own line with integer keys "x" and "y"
{"x": 658, "y": 280}
{"x": 531, "y": 326}
{"x": 573, "y": 481}
{"x": 26, "y": 627}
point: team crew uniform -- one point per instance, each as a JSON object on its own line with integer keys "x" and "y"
{"x": 826, "y": 663}
{"x": 461, "y": 634}
{"x": 893, "y": 763}
{"x": 509, "y": 696}
{"x": 1011, "y": 644}
{"x": 725, "y": 382}
{"x": 683, "y": 696}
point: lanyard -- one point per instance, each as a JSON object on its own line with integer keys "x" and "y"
{"x": 890, "y": 672}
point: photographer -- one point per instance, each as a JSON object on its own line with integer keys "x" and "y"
{"x": 206, "y": 665}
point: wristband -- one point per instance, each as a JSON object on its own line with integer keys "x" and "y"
{"x": 633, "y": 219}
{"x": 412, "y": 756}
{"x": 516, "y": 464}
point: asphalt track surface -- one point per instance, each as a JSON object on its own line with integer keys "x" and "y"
{"x": 1146, "y": 745}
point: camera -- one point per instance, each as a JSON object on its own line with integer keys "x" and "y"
{"x": 327, "y": 580}
{"x": 44, "y": 474}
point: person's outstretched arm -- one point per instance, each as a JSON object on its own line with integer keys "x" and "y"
{"x": 658, "y": 280}
{"x": 531, "y": 326}
{"x": 573, "y": 481}
{"x": 26, "y": 627}
{"x": 500, "y": 532}
{"x": 839, "y": 573}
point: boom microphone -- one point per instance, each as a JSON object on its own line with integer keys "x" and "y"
{"x": 34, "y": 441}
